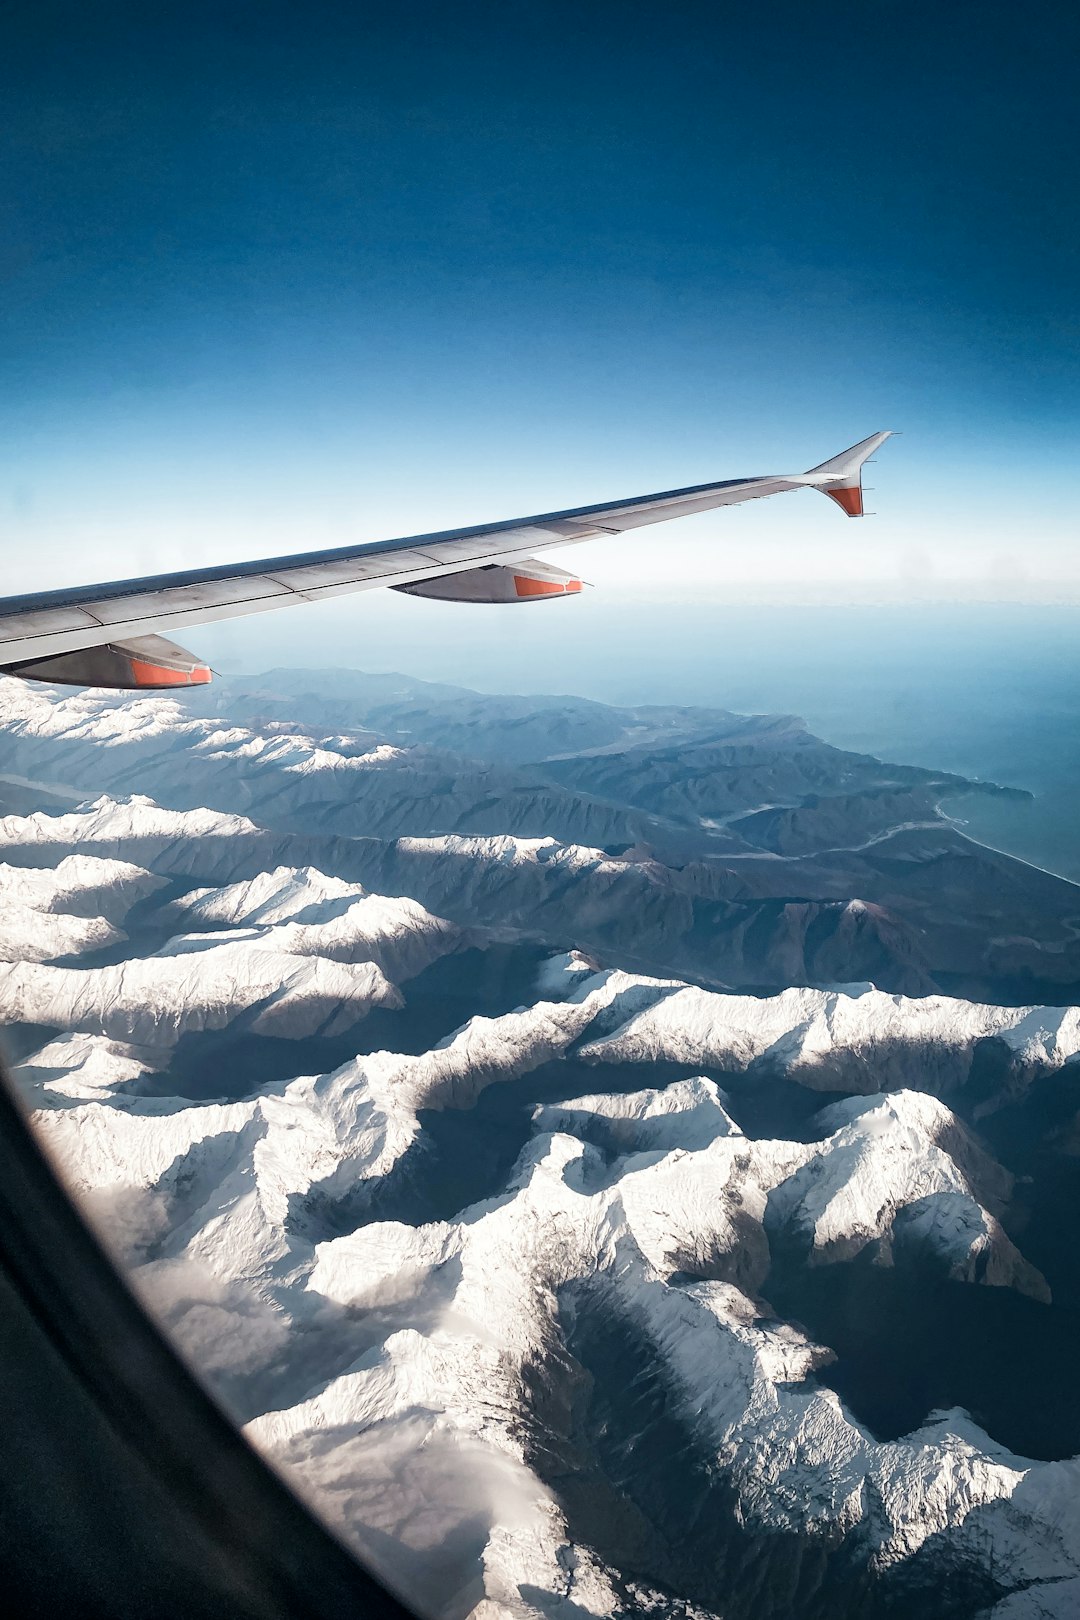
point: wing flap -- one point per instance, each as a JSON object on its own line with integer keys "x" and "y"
{"x": 146, "y": 663}
{"x": 527, "y": 581}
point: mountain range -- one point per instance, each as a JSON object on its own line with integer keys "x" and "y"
{"x": 614, "y": 1161}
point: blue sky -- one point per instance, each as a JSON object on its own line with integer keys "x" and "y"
{"x": 277, "y": 276}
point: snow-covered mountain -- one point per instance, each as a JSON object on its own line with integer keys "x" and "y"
{"x": 558, "y": 1283}
{"x": 726, "y": 849}
{"x": 73, "y": 908}
{"x": 438, "y": 1363}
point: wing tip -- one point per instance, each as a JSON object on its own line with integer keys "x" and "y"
{"x": 849, "y": 498}
{"x": 848, "y": 462}
{"x": 840, "y": 478}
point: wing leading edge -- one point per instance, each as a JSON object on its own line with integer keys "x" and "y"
{"x": 111, "y": 634}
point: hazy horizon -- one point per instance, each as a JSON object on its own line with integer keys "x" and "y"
{"x": 988, "y": 691}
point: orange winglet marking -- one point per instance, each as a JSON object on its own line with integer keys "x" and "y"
{"x": 849, "y": 500}
{"x": 145, "y": 674}
{"x": 542, "y": 587}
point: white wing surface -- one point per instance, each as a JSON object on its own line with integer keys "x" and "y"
{"x": 112, "y": 634}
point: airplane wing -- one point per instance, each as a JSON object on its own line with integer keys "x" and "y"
{"x": 111, "y": 635}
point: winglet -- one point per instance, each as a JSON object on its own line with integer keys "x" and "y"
{"x": 841, "y": 477}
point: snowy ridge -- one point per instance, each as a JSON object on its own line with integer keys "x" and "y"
{"x": 688, "y": 1113}
{"x": 285, "y": 894}
{"x": 86, "y": 1067}
{"x": 833, "y": 1041}
{"x": 399, "y": 1274}
{"x": 108, "y": 822}
{"x": 106, "y": 721}
{"x": 392, "y": 1365}
{"x": 74, "y": 907}
{"x": 800, "y": 1461}
{"x": 938, "y": 1195}
{"x": 81, "y": 885}
{"x": 192, "y": 986}
{"x": 234, "y": 951}
{"x": 306, "y": 913}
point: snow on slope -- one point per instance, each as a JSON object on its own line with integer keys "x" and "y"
{"x": 306, "y": 913}
{"x": 29, "y": 935}
{"x": 83, "y": 1067}
{"x": 161, "y": 725}
{"x": 108, "y": 822}
{"x": 832, "y": 1041}
{"x": 687, "y": 1113}
{"x": 82, "y": 885}
{"x": 287, "y": 775}
{"x": 70, "y": 908}
{"x": 293, "y": 977}
{"x": 390, "y": 1370}
{"x": 1057, "y": 1601}
{"x": 932, "y": 1197}
{"x": 195, "y": 985}
{"x": 488, "y": 1288}
{"x": 285, "y": 894}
